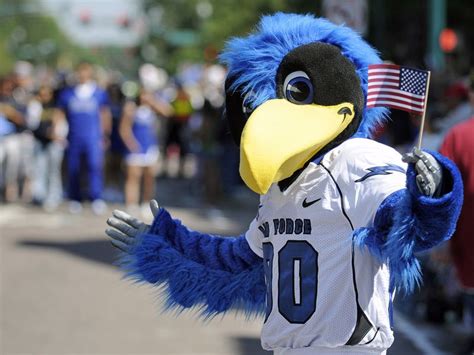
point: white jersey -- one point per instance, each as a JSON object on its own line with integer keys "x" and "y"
{"x": 324, "y": 295}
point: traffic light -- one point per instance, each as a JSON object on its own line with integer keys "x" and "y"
{"x": 448, "y": 40}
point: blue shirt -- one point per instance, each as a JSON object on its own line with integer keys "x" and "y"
{"x": 83, "y": 113}
{"x": 144, "y": 128}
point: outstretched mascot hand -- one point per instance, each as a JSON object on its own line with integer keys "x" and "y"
{"x": 429, "y": 173}
{"x": 126, "y": 228}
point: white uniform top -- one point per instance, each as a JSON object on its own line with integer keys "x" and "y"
{"x": 324, "y": 293}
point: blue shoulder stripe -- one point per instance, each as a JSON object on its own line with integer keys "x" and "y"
{"x": 387, "y": 169}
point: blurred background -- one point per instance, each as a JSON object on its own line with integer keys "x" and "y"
{"x": 107, "y": 104}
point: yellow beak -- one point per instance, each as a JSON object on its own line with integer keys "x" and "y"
{"x": 280, "y": 137}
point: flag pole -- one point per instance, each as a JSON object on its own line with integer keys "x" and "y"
{"x": 422, "y": 125}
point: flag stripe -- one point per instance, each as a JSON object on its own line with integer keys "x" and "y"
{"x": 396, "y": 102}
{"x": 395, "y": 96}
{"x": 384, "y": 78}
{"x": 395, "y": 74}
{"x": 377, "y": 85}
{"x": 381, "y": 71}
{"x": 374, "y": 86}
{"x": 397, "y": 106}
{"x": 399, "y": 100}
{"x": 384, "y": 66}
{"x": 372, "y": 91}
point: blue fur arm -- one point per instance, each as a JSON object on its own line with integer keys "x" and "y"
{"x": 214, "y": 273}
{"x": 215, "y": 252}
{"x": 408, "y": 222}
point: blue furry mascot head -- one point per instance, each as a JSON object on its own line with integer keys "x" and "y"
{"x": 298, "y": 60}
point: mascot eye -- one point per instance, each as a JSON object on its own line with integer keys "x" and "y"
{"x": 247, "y": 109}
{"x": 298, "y": 89}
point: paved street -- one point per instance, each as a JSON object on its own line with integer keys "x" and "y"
{"x": 61, "y": 294}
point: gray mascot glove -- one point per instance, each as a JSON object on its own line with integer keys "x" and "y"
{"x": 429, "y": 173}
{"x": 126, "y": 228}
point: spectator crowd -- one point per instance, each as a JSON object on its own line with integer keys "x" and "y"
{"x": 98, "y": 121}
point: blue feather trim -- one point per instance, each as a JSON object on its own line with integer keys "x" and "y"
{"x": 393, "y": 239}
{"x": 408, "y": 222}
{"x": 187, "y": 283}
{"x": 254, "y": 60}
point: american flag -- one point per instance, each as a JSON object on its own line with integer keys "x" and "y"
{"x": 397, "y": 87}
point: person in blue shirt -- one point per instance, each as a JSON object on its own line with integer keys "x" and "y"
{"x": 139, "y": 131}
{"x": 87, "y": 111}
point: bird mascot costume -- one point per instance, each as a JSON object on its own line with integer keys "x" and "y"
{"x": 341, "y": 216}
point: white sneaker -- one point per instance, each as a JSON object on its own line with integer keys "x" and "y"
{"x": 99, "y": 207}
{"x": 75, "y": 207}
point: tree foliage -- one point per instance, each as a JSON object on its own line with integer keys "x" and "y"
{"x": 228, "y": 18}
{"x": 27, "y": 34}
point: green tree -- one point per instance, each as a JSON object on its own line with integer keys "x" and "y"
{"x": 27, "y": 34}
{"x": 183, "y": 33}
